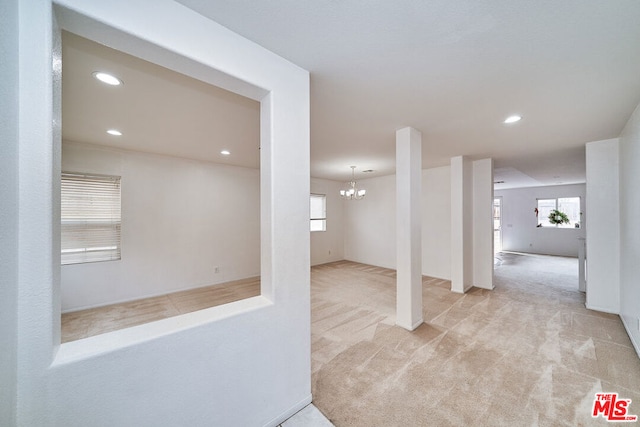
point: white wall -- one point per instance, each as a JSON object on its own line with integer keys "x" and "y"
{"x": 436, "y": 222}
{"x": 8, "y": 208}
{"x": 369, "y": 224}
{"x": 603, "y": 232}
{"x": 180, "y": 219}
{"x": 328, "y": 246}
{"x": 519, "y": 231}
{"x": 245, "y": 363}
{"x": 630, "y": 227}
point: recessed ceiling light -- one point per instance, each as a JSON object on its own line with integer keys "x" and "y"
{"x": 512, "y": 119}
{"x": 225, "y": 152}
{"x": 368, "y": 171}
{"x": 114, "y": 132}
{"x": 107, "y": 78}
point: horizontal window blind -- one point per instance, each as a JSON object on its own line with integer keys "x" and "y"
{"x": 90, "y": 218}
{"x": 318, "y": 211}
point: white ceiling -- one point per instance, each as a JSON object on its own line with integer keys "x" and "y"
{"x": 453, "y": 69}
{"x": 156, "y": 109}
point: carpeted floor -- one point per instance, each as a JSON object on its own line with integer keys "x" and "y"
{"x": 527, "y": 353}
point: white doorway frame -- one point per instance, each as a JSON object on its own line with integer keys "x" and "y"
{"x": 497, "y": 246}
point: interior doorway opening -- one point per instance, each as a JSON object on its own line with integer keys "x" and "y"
{"x": 497, "y": 225}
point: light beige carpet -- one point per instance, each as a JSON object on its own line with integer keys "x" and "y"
{"x": 525, "y": 354}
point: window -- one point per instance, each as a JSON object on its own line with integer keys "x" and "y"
{"x": 318, "y": 209}
{"x": 570, "y": 206}
{"x": 90, "y": 218}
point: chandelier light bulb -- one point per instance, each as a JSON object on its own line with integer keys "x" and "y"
{"x": 351, "y": 191}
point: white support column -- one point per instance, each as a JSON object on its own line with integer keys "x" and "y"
{"x": 461, "y": 224}
{"x": 603, "y": 228}
{"x": 409, "y": 228}
{"x": 483, "y": 224}
{"x": 582, "y": 249}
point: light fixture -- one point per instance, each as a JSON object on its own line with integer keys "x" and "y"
{"x": 512, "y": 119}
{"x": 114, "y": 132}
{"x": 350, "y": 191}
{"x": 225, "y": 152}
{"x": 107, "y": 78}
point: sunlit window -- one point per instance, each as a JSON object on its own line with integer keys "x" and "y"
{"x": 90, "y": 218}
{"x": 569, "y": 206}
{"x": 318, "y": 209}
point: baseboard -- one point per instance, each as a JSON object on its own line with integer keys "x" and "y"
{"x": 413, "y": 327}
{"x": 627, "y": 328}
{"x": 635, "y": 344}
{"x": 326, "y": 261}
{"x": 152, "y": 295}
{"x": 602, "y": 309}
{"x": 289, "y": 412}
{"x": 541, "y": 253}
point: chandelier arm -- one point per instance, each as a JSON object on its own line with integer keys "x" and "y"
{"x": 350, "y": 191}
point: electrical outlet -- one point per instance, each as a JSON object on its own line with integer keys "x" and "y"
{"x": 216, "y": 270}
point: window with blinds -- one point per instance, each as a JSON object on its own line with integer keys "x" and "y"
{"x": 318, "y": 210}
{"x": 90, "y": 218}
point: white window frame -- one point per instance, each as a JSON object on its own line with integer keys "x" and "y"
{"x": 555, "y": 199}
{"x": 319, "y": 219}
{"x": 90, "y": 218}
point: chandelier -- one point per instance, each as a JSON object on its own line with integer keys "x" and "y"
{"x": 350, "y": 191}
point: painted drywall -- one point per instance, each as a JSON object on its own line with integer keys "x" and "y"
{"x": 245, "y": 363}
{"x": 409, "y": 312}
{"x": 471, "y": 223}
{"x": 519, "y": 231}
{"x": 377, "y": 212}
{"x": 461, "y": 224}
{"x": 483, "y": 223}
{"x": 8, "y": 208}
{"x": 370, "y": 223}
{"x": 436, "y": 222}
{"x": 630, "y": 228}
{"x": 603, "y": 233}
{"x": 328, "y": 246}
{"x": 180, "y": 220}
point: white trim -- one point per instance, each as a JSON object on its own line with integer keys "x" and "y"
{"x": 74, "y": 351}
{"x": 289, "y": 412}
{"x": 256, "y": 275}
{"x": 602, "y": 309}
{"x": 635, "y": 344}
